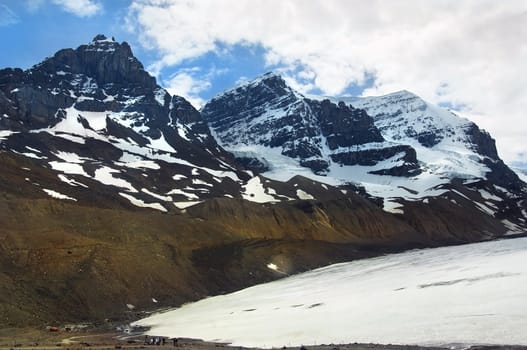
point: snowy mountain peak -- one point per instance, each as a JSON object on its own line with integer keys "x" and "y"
{"x": 265, "y": 87}
{"x": 401, "y": 94}
{"x": 103, "y": 43}
{"x": 266, "y": 77}
{"x": 398, "y": 146}
{"x": 271, "y": 79}
{"x": 103, "y": 60}
{"x": 267, "y": 113}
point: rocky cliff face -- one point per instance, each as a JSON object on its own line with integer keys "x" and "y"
{"x": 276, "y": 116}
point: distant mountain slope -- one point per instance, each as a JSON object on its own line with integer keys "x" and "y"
{"x": 449, "y": 145}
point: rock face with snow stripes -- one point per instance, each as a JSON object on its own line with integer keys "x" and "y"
{"x": 254, "y": 106}
{"x": 462, "y": 146}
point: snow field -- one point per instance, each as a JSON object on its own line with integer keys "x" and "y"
{"x": 469, "y": 294}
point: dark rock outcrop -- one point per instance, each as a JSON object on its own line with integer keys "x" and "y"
{"x": 406, "y": 156}
{"x": 345, "y": 126}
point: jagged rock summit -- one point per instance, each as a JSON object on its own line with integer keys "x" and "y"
{"x": 98, "y": 119}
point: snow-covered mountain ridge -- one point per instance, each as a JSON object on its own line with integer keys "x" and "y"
{"x": 459, "y": 147}
{"x": 399, "y": 147}
{"x": 96, "y": 118}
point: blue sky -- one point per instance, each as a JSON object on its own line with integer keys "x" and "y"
{"x": 33, "y": 30}
{"x": 30, "y": 33}
{"x": 467, "y": 55}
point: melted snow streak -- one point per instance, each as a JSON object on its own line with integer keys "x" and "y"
{"x": 466, "y": 294}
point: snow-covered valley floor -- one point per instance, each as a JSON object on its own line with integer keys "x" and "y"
{"x": 469, "y": 294}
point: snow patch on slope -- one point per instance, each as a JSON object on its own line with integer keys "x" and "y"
{"x": 68, "y": 168}
{"x": 105, "y": 176}
{"x": 5, "y": 134}
{"x": 70, "y": 182}
{"x": 58, "y": 195}
{"x": 254, "y": 191}
{"x": 301, "y": 194}
{"x": 139, "y": 203}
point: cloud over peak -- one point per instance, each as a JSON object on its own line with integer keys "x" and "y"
{"x": 7, "y": 16}
{"x": 470, "y": 53}
{"x": 79, "y": 8}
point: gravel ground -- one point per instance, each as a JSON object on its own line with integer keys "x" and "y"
{"x": 12, "y": 339}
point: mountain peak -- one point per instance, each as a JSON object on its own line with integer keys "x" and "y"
{"x": 103, "y": 59}
{"x": 102, "y": 43}
{"x": 269, "y": 76}
{"x": 102, "y": 37}
{"x": 264, "y": 87}
{"x": 401, "y": 94}
{"x": 270, "y": 79}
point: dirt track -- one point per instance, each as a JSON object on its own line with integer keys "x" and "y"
{"x": 12, "y": 339}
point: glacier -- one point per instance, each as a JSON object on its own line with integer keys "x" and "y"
{"x": 454, "y": 296}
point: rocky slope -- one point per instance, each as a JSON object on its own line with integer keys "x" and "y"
{"x": 115, "y": 196}
{"x": 62, "y": 261}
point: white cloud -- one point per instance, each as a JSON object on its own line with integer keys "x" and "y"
{"x": 471, "y": 53}
{"x": 241, "y": 80}
{"x": 7, "y": 16}
{"x": 186, "y": 84}
{"x": 34, "y": 5}
{"x": 80, "y": 8}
